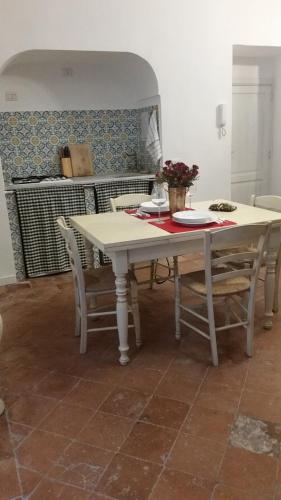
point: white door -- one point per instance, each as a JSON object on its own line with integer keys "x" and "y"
{"x": 251, "y": 140}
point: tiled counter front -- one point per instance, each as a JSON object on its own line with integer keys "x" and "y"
{"x": 30, "y": 141}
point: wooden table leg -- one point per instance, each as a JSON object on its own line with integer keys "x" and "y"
{"x": 120, "y": 268}
{"x": 269, "y": 284}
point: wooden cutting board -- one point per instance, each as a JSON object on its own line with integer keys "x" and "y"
{"x": 81, "y": 160}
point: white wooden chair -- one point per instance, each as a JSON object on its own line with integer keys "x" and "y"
{"x": 90, "y": 284}
{"x": 268, "y": 202}
{"x": 2, "y": 405}
{"x": 217, "y": 281}
{"x": 271, "y": 202}
{"x": 133, "y": 200}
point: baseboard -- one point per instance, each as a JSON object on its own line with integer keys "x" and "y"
{"x": 7, "y": 280}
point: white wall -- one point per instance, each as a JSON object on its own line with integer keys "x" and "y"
{"x": 189, "y": 45}
{"x": 98, "y": 81}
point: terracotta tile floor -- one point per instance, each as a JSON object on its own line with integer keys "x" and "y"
{"x": 168, "y": 426}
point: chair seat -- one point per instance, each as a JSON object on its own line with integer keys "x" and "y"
{"x": 97, "y": 279}
{"x": 196, "y": 282}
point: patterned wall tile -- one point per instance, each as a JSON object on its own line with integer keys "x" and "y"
{"x": 15, "y": 235}
{"x": 29, "y": 141}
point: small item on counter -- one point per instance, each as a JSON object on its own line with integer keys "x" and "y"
{"x": 222, "y": 206}
{"x": 65, "y": 159}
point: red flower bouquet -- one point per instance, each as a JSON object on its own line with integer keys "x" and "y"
{"x": 177, "y": 174}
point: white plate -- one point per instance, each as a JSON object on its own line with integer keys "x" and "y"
{"x": 189, "y": 223}
{"x": 148, "y": 206}
{"x": 193, "y": 216}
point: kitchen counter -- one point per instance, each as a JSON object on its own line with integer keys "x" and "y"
{"x": 92, "y": 179}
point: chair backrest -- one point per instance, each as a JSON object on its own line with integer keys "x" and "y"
{"x": 75, "y": 261}
{"x": 255, "y": 235}
{"x": 128, "y": 200}
{"x": 269, "y": 202}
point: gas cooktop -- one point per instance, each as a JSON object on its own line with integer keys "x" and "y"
{"x": 34, "y": 179}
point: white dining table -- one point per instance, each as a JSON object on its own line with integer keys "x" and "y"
{"x": 127, "y": 239}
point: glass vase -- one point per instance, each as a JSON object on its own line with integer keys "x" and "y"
{"x": 177, "y": 199}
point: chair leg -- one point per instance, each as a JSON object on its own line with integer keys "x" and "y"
{"x": 212, "y": 331}
{"x": 77, "y": 323}
{"x": 250, "y": 326}
{"x": 135, "y": 312}
{"x": 83, "y": 338}
{"x": 177, "y": 301}
{"x": 276, "y": 286}
{"x": 152, "y": 273}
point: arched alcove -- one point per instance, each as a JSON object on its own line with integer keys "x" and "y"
{"x": 59, "y": 79}
{"x": 50, "y": 98}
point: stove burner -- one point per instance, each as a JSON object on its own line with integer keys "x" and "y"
{"x": 32, "y": 179}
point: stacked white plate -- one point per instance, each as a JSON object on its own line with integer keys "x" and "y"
{"x": 151, "y": 208}
{"x": 194, "y": 217}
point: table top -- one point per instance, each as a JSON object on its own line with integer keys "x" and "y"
{"x": 119, "y": 231}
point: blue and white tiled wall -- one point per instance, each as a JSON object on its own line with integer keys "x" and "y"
{"x": 29, "y": 141}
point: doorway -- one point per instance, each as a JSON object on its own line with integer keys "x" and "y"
{"x": 251, "y": 141}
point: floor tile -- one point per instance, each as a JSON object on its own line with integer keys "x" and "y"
{"x": 88, "y": 394}
{"x": 30, "y": 479}
{"x": 140, "y": 379}
{"x": 178, "y": 386}
{"x": 125, "y": 403}
{"x": 152, "y": 360}
{"x": 74, "y": 493}
{"x": 196, "y": 456}
{"x": 149, "y": 442}
{"x": 106, "y": 431}
{"x": 18, "y": 433}
{"x": 127, "y": 478}
{"x": 261, "y": 405}
{"x": 258, "y": 436}
{"x": 40, "y": 450}
{"x": 30, "y": 409}
{"x": 107, "y": 373}
{"x": 223, "y": 492}
{"x": 189, "y": 367}
{"x": 9, "y": 485}
{"x": 249, "y": 471}
{"x": 181, "y": 486}
{"x": 6, "y": 445}
{"x": 81, "y": 465}
{"x": 212, "y": 396}
{"x": 165, "y": 412}
{"x": 56, "y": 385}
{"x": 208, "y": 423}
{"x": 47, "y": 490}
{"x": 229, "y": 374}
{"x": 67, "y": 420}
{"x": 24, "y": 379}
{"x": 267, "y": 381}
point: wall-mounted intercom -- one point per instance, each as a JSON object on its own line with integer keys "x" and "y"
{"x": 221, "y": 118}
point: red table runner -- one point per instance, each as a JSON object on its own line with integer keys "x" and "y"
{"x": 174, "y": 227}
